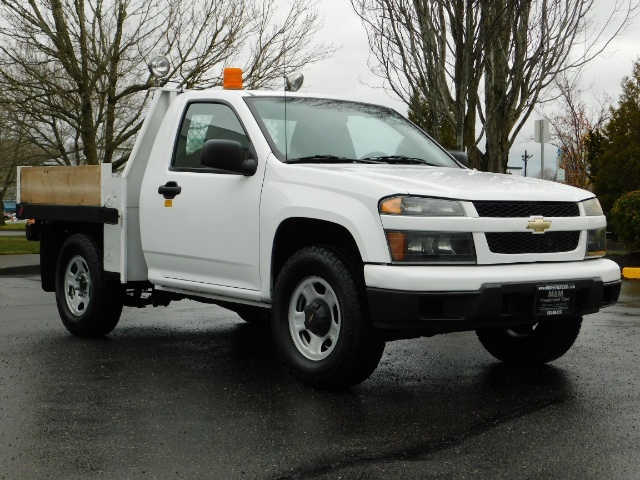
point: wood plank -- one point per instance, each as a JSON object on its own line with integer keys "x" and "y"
{"x": 78, "y": 185}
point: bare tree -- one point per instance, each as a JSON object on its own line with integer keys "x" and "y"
{"x": 15, "y": 151}
{"x": 571, "y": 126}
{"x": 414, "y": 44}
{"x": 548, "y": 174}
{"x": 76, "y": 69}
{"x": 8, "y": 163}
{"x": 494, "y": 58}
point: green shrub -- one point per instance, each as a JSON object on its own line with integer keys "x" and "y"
{"x": 625, "y": 219}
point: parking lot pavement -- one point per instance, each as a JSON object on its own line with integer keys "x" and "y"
{"x": 190, "y": 391}
{"x": 19, "y": 265}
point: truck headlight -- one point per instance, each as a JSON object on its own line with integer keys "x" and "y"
{"x": 421, "y": 207}
{"x": 431, "y": 247}
{"x": 592, "y": 207}
{"x": 596, "y": 243}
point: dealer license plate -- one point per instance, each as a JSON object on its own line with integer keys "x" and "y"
{"x": 554, "y": 299}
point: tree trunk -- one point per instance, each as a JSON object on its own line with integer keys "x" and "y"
{"x": 8, "y": 179}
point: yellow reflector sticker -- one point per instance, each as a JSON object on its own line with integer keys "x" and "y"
{"x": 168, "y": 203}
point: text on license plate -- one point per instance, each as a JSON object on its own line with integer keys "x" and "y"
{"x": 554, "y": 299}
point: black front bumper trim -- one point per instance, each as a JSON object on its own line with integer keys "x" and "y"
{"x": 494, "y": 305}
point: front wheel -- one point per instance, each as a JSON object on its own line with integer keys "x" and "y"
{"x": 89, "y": 305}
{"x": 531, "y": 344}
{"x": 320, "y": 321}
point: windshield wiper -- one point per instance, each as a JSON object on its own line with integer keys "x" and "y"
{"x": 329, "y": 159}
{"x": 400, "y": 160}
{"x": 320, "y": 159}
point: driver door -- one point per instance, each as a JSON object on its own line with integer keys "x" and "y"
{"x": 206, "y": 236}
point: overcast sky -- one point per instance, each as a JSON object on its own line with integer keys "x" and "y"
{"x": 347, "y": 74}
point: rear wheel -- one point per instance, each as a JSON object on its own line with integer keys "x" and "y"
{"x": 531, "y": 344}
{"x": 89, "y": 305}
{"x": 320, "y": 322}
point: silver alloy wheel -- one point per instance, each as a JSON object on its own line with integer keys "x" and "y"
{"x": 311, "y": 345}
{"x": 77, "y": 285}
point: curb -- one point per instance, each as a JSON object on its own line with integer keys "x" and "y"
{"x": 20, "y": 271}
{"x": 631, "y": 273}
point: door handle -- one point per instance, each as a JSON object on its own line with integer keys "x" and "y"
{"x": 169, "y": 190}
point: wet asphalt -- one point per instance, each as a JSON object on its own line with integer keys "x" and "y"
{"x": 191, "y": 391}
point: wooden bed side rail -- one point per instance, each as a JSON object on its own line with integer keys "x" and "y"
{"x": 72, "y": 185}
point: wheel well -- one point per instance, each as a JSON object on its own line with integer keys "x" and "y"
{"x": 52, "y": 236}
{"x": 296, "y": 233}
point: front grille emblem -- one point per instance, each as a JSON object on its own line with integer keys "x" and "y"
{"x": 538, "y": 225}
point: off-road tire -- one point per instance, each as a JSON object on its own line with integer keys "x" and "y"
{"x": 89, "y": 305}
{"x": 545, "y": 343}
{"x": 355, "y": 351}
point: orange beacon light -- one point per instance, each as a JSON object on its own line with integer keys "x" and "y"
{"x": 232, "y": 79}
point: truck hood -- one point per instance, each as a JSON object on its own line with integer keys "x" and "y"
{"x": 456, "y": 183}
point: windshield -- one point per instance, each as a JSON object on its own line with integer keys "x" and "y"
{"x": 317, "y": 130}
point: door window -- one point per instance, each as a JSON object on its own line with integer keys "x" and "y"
{"x": 206, "y": 121}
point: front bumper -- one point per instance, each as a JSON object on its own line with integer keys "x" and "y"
{"x": 472, "y": 297}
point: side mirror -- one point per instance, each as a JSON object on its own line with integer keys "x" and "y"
{"x": 227, "y": 155}
{"x": 460, "y": 157}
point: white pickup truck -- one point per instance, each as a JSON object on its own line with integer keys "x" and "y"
{"x": 340, "y": 222}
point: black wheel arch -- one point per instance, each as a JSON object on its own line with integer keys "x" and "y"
{"x": 52, "y": 235}
{"x": 296, "y": 233}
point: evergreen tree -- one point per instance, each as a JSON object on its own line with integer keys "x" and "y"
{"x": 617, "y": 170}
{"x": 593, "y": 142}
{"x": 431, "y": 122}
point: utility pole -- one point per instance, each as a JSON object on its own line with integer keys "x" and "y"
{"x": 525, "y": 159}
{"x": 541, "y": 135}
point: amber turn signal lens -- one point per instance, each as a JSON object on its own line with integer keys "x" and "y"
{"x": 397, "y": 245}
{"x": 392, "y": 206}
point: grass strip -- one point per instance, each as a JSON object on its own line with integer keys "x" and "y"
{"x": 12, "y": 227}
{"x": 16, "y": 245}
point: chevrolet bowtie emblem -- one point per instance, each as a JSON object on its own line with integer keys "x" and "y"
{"x": 538, "y": 225}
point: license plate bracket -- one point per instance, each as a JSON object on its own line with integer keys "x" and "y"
{"x": 554, "y": 299}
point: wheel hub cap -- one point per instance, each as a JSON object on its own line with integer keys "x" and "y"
{"x": 77, "y": 285}
{"x": 317, "y": 318}
{"x": 314, "y": 318}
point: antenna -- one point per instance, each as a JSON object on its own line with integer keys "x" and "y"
{"x": 284, "y": 75}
